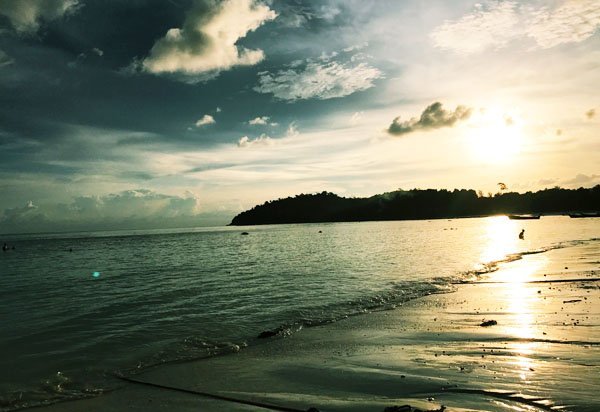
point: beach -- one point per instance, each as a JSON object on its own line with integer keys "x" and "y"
{"x": 299, "y": 205}
{"x": 542, "y": 352}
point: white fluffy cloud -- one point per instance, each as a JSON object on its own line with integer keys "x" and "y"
{"x": 26, "y": 15}
{"x": 488, "y": 26}
{"x": 262, "y": 140}
{"x": 318, "y": 79}
{"x": 572, "y": 22}
{"x": 206, "y": 44}
{"x": 261, "y": 120}
{"x": 495, "y": 23}
{"x": 205, "y": 120}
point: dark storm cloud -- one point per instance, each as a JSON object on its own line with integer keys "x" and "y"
{"x": 57, "y": 78}
{"x": 312, "y": 15}
{"x": 433, "y": 117}
{"x": 26, "y": 16}
{"x": 68, "y": 113}
{"x": 39, "y": 102}
{"x": 5, "y": 59}
{"x": 122, "y": 30}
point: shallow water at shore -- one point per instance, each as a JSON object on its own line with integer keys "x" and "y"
{"x": 541, "y": 353}
{"x": 162, "y": 295}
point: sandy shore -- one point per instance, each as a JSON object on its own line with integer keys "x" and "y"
{"x": 543, "y": 353}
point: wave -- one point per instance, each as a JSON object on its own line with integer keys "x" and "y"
{"x": 477, "y": 275}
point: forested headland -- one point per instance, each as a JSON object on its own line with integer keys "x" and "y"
{"x": 418, "y": 204}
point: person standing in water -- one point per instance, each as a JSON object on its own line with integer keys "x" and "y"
{"x": 522, "y": 234}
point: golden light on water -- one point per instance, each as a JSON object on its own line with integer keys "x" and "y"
{"x": 522, "y": 322}
{"x": 521, "y": 297}
{"x": 500, "y": 238}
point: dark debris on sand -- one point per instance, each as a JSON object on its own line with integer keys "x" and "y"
{"x": 488, "y": 323}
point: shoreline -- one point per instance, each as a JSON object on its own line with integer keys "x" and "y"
{"x": 543, "y": 354}
{"x": 408, "y": 219}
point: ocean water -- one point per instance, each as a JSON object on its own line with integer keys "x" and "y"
{"x": 76, "y": 308}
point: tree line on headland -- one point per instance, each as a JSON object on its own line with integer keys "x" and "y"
{"x": 418, "y": 204}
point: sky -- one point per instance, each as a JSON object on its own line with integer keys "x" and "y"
{"x": 120, "y": 114}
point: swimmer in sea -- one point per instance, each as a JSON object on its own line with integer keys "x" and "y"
{"x": 522, "y": 234}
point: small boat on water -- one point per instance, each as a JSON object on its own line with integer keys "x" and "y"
{"x": 578, "y": 215}
{"x": 523, "y": 217}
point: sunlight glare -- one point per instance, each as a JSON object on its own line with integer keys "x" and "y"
{"x": 500, "y": 239}
{"x": 495, "y": 136}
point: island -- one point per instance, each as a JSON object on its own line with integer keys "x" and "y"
{"x": 419, "y": 204}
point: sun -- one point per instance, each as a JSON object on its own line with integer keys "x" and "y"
{"x": 495, "y": 137}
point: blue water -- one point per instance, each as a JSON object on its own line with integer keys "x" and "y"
{"x": 74, "y": 308}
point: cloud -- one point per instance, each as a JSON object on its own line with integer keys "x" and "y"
{"x": 26, "y": 15}
{"x": 590, "y": 114}
{"x": 582, "y": 179}
{"x": 433, "y": 117}
{"x": 494, "y": 24}
{"x": 5, "y": 59}
{"x": 546, "y": 182}
{"x": 82, "y": 57}
{"x": 292, "y": 130}
{"x": 356, "y": 118}
{"x": 139, "y": 208}
{"x": 265, "y": 140}
{"x": 572, "y": 22}
{"x": 318, "y": 79}
{"x": 136, "y": 203}
{"x": 206, "y": 44}
{"x": 261, "y": 120}
{"x": 356, "y": 47}
{"x": 262, "y": 140}
{"x": 488, "y": 26}
{"x": 205, "y": 120}
{"x": 297, "y": 14}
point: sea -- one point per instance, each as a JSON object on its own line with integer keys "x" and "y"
{"x": 78, "y": 308}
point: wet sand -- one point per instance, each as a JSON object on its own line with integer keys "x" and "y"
{"x": 543, "y": 353}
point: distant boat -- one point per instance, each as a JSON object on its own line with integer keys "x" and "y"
{"x": 578, "y": 215}
{"x": 523, "y": 217}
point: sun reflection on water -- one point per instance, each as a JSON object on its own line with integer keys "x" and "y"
{"x": 522, "y": 296}
{"x": 502, "y": 240}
